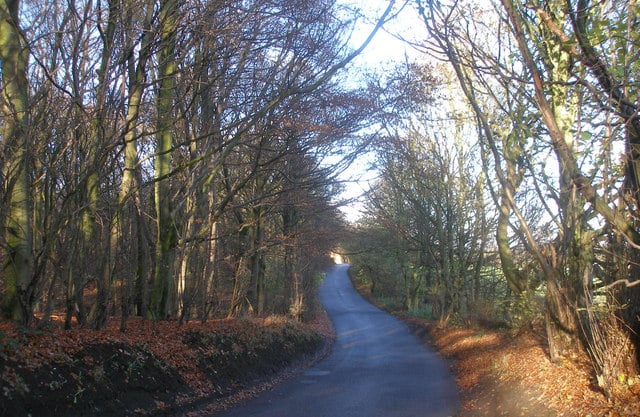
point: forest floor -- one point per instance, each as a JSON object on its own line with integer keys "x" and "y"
{"x": 500, "y": 373}
{"x": 158, "y": 369}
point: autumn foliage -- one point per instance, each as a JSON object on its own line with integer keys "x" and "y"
{"x": 154, "y": 366}
{"x": 504, "y": 374}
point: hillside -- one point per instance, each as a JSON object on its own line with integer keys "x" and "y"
{"x": 153, "y": 368}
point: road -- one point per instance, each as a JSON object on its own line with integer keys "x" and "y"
{"x": 376, "y": 368}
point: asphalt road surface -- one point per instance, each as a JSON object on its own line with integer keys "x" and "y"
{"x": 376, "y": 368}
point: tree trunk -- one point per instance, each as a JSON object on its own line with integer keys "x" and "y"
{"x": 143, "y": 272}
{"x": 210, "y": 272}
{"x": 166, "y": 228}
{"x": 18, "y": 268}
{"x": 256, "y": 293}
{"x": 516, "y": 279}
{"x": 289, "y": 225}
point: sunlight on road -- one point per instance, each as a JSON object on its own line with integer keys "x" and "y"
{"x": 337, "y": 258}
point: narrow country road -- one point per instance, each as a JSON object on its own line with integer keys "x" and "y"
{"x": 376, "y": 368}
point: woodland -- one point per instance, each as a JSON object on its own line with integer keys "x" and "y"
{"x": 168, "y": 159}
{"x": 180, "y": 162}
{"x": 508, "y": 188}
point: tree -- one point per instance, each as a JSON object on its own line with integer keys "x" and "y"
{"x": 187, "y": 118}
{"x": 544, "y": 52}
{"x": 430, "y": 196}
{"x": 570, "y": 171}
{"x": 166, "y": 228}
{"x": 20, "y": 284}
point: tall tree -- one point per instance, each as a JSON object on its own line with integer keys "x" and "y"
{"x": 166, "y": 228}
{"x": 551, "y": 21}
{"x": 549, "y": 53}
{"x": 18, "y": 267}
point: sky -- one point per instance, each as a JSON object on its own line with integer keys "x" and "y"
{"x": 385, "y": 47}
{"x": 382, "y": 52}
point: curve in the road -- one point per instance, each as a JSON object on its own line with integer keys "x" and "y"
{"x": 376, "y": 369}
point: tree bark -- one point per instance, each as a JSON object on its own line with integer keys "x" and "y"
{"x": 166, "y": 228}
{"x": 18, "y": 269}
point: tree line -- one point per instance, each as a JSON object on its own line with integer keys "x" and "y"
{"x": 170, "y": 159}
{"x": 167, "y": 159}
{"x": 508, "y": 181}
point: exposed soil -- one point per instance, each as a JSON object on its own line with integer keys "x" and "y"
{"x": 152, "y": 369}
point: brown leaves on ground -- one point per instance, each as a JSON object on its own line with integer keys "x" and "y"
{"x": 34, "y": 348}
{"x": 503, "y": 374}
{"x": 152, "y": 366}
